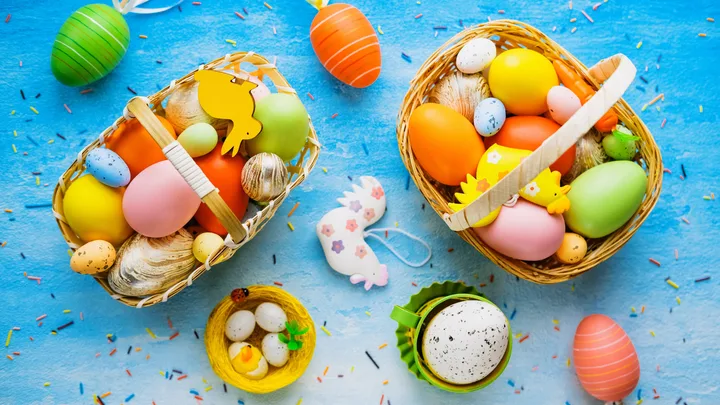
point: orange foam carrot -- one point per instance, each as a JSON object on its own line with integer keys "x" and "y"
{"x": 580, "y": 88}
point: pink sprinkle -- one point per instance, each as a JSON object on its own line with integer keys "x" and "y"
{"x": 418, "y": 16}
{"x": 16, "y": 328}
{"x": 311, "y": 96}
{"x": 682, "y": 177}
{"x": 501, "y": 11}
{"x": 20, "y": 63}
{"x": 534, "y": 369}
{"x": 587, "y": 16}
{"x": 666, "y": 170}
{"x": 239, "y": 15}
{"x": 7, "y": 19}
{"x": 31, "y": 338}
{"x": 677, "y": 255}
{"x": 653, "y": 261}
{"x": 595, "y": 7}
{"x": 685, "y": 220}
{"x": 67, "y": 108}
{"x": 82, "y": 318}
{"x": 334, "y": 115}
{"x": 274, "y": 30}
{"x": 663, "y": 123}
{"x": 40, "y": 318}
{"x": 40, "y": 324}
{"x": 97, "y": 355}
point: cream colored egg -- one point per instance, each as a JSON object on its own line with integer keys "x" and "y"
{"x": 205, "y": 245}
{"x": 275, "y": 351}
{"x": 270, "y": 317}
{"x": 475, "y": 55}
{"x": 240, "y": 326}
{"x": 93, "y": 257}
{"x": 198, "y": 139}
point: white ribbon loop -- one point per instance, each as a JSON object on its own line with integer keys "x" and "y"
{"x": 131, "y": 6}
{"x": 371, "y": 233}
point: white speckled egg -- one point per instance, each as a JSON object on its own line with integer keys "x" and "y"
{"x": 275, "y": 351}
{"x": 107, "y": 167}
{"x": 93, "y": 257}
{"x": 489, "y": 116}
{"x": 562, "y": 104}
{"x": 262, "y": 368}
{"x": 464, "y": 342}
{"x": 270, "y": 317}
{"x": 475, "y": 55}
{"x": 240, "y": 326}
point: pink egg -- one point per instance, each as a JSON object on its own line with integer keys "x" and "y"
{"x": 158, "y": 201}
{"x": 562, "y": 104}
{"x": 525, "y": 232}
{"x": 258, "y": 93}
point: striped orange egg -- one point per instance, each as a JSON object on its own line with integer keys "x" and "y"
{"x": 605, "y": 359}
{"x": 346, "y": 44}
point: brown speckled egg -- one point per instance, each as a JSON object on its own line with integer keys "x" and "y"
{"x": 93, "y": 257}
{"x": 572, "y": 249}
{"x": 464, "y": 342}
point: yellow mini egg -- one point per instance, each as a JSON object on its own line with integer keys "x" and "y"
{"x": 572, "y": 249}
{"x": 94, "y": 211}
{"x": 93, "y": 257}
{"x": 521, "y": 79}
{"x": 206, "y": 244}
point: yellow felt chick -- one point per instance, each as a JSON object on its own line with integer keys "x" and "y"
{"x": 222, "y": 95}
{"x": 496, "y": 163}
{"x": 247, "y": 359}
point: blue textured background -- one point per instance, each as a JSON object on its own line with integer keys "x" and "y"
{"x": 685, "y": 347}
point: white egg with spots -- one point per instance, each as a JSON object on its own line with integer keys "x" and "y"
{"x": 562, "y": 104}
{"x": 465, "y": 342}
{"x": 275, "y": 351}
{"x": 240, "y": 326}
{"x": 270, "y": 317}
{"x": 475, "y": 55}
{"x": 489, "y": 116}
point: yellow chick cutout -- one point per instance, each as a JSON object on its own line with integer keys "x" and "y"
{"x": 222, "y": 95}
{"x": 496, "y": 163}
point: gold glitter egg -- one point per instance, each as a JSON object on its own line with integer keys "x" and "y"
{"x": 264, "y": 177}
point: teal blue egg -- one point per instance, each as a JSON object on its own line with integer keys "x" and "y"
{"x": 107, "y": 167}
{"x": 605, "y": 197}
{"x": 199, "y": 139}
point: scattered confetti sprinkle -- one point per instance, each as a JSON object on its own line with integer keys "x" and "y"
{"x": 672, "y": 284}
{"x": 655, "y": 262}
{"x": 152, "y": 335}
{"x": 699, "y": 280}
{"x": 239, "y": 15}
{"x": 268, "y": 6}
{"x": 327, "y": 332}
{"x": 371, "y": 359}
{"x": 382, "y": 346}
{"x": 639, "y": 44}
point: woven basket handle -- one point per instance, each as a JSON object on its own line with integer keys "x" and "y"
{"x": 617, "y": 73}
{"x": 187, "y": 167}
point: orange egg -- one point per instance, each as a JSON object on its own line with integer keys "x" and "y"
{"x": 346, "y": 44}
{"x": 135, "y": 145}
{"x": 529, "y": 132}
{"x": 444, "y": 143}
{"x": 605, "y": 359}
{"x": 225, "y": 173}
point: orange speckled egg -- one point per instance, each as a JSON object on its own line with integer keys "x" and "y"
{"x": 135, "y": 145}
{"x": 444, "y": 143}
{"x": 605, "y": 359}
{"x": 529, "y": 132}
{"x": 572, "y": 249}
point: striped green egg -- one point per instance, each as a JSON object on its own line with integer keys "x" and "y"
{"x": 89, "y": 45}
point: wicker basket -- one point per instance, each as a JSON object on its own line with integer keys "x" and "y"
{"x": 239, "y": 232}
{"x": 217, "y": 344}
{"x": 616, "y": 72}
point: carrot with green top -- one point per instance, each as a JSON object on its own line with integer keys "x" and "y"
{"x": 580, "y": 88}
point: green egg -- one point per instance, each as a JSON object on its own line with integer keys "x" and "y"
{"x": 605, "y": 197}
{"x": 285, "y": 126}
{"x": 198, "y": 139}
{"x": 620, "y": 145}
{"x": 89, "y": 45}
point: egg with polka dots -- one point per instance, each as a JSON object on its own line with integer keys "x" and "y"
{"x": 475, "y": 55}
{"x": 489, "y": 116}
{"x": 465, "y": 342}
{"x": 108, "y": 167}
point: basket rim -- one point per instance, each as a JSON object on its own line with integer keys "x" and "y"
{"x": 512, "y": 33}
{"x": 298, "y": 172}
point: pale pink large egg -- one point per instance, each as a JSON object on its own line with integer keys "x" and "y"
{"x": 605, "y": 359}
{"x": 525, "y": 232}
{"x": 562, "y": 104}
{"x": 158, "y": 201}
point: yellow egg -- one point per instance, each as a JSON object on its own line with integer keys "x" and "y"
{"x": 94, "y": 211}
{"x": 572, "y": 249}
{"x": 93, "y": 257}
{"x": 206, "y": 244}
{"x": 521, "y": 79}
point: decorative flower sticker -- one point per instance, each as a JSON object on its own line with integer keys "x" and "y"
{"x": 532, "y": 189}
{"x": 377, "y": 193}
{"x": 360, "y": 251}
{"x": 351, "y": 225}
{"x": 369, "y": 214}
{"x": 493, "y": 157}
{"x": 327, "y": 230}
{"x": 337, "y": 246}
{"x": 483, "y": 185}
{"x": 355, "y": 206}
